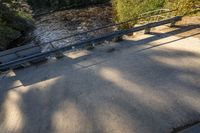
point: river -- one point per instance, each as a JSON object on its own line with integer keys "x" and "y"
{"x": 64, "y": 23}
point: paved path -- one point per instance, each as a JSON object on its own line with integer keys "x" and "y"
{"x": 193, "y": 129}
{"x": 149, "y": 84}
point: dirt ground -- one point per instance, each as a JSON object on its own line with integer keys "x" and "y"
{"x": 190, "y": 25}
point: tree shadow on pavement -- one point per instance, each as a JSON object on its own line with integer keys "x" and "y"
{"x": 150, "y": 91}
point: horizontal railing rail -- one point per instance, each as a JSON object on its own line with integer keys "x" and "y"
{"x": 145, "y": 16}
{"x": 12, "y": 64}
{"x": 146, "y": 21}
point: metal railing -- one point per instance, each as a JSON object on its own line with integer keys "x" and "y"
{"x": 141, "y": 19}
{"x": 147, "y": 20}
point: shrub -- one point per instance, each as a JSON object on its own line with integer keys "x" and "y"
{"x": 7, "y": 35}
{"x": 183, "y": 6}
{"x": 126, "y": 9}
{"x": 42, "y": 5}
{"x": 14, "y": 21}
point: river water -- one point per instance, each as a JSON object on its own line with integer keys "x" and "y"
{"x": 64, "y": 23}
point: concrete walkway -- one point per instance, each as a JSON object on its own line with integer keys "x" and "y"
{"x": 193, "y": 129}
{"x": 149, "y": 84}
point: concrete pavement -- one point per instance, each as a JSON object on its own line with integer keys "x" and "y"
{"x": 149, "y": 84}
{"x": 193, "y": 129}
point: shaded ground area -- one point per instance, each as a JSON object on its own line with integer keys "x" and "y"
{"x": 193, "y": 129}
{"x": 148, "y": 84}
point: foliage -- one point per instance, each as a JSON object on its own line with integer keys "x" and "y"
{"x": 183, "y": 6}
{"x": 15, "y": 20}
{"x": 39, "y": 5}
{"x": 129, "y": 9}
{"x": 7, "y": 34}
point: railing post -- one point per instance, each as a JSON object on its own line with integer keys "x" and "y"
{"x": 119, "y": 38}
{"x": 90, "y": 46}
{"x": 173, "y": 24}
{"x": 58, "y": 54}
{"x": 147, "y": 31}
{"x": 174, "y": 21}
